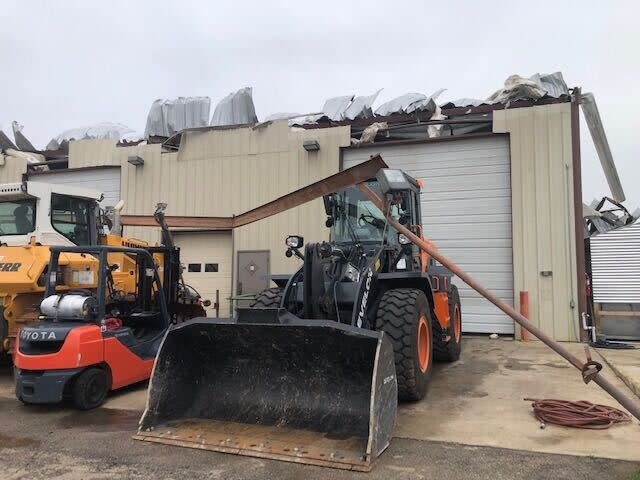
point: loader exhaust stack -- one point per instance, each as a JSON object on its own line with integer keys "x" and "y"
{"x": 313, "y": 392}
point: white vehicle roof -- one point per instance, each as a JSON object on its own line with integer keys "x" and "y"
{"x": 10, "y": 191}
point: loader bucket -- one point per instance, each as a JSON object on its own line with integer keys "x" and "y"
{"x": 314, "y": 392}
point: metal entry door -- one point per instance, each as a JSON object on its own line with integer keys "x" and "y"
{"x": 253, "y": 269}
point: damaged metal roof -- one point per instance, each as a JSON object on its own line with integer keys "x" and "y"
{"x": 167, "y": 117}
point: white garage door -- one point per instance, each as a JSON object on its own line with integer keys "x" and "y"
{"x": 105, "y": 180}
{"x": 206, "y": 257}
{"x": 466, "y": 211}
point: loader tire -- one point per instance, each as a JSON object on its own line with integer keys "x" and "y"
{"x": 449, "y": 350}
{"x": 90, "y": 388}
{"x": 404, "y": 315}
{"x": 269, "y": 298}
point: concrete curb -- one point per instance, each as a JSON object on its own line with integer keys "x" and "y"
{"x": 628, "y": 380}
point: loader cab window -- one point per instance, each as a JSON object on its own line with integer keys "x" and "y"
{"x": 71, "y": 217}
{"x": 357, "y": 219}
{"x": 17, "y": 217}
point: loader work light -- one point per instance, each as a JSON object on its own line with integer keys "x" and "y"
{"x": 403, "y": 239}
{"x": 392, "y": 181}
{"x": 294, "y": 241}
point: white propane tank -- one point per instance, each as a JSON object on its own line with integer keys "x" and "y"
{"x": 72, "y": 306}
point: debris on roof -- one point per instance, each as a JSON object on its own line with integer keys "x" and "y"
{"x": 282, "y": 116}
{"x": 605, "y": 215}
{"x": 101, "y": 130}
{"x": 21, "y": 141}
{"x": 407, "y": 103}
{"x": 599, "y": 137}
{"x": 361, "y": 107}
{"x": 335, "y": 107}
{"x": 31, "y": 157}
{"x": 235, "y": 109}
{"x": 369, "y": 134}
{"x": 465, "y": 102}
{"x": 167, "y": 117}
{"x": 532, "y": 88}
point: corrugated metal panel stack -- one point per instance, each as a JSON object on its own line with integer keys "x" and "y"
{"x": 615, "y": 260}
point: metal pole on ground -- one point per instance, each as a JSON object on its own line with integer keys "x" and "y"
{"x": 524, "y": 311}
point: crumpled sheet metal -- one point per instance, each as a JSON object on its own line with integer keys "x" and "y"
{"x": 532, "y": 88}
{"x": 235, "y": 109}
{"x": 168, "y": 117}
{"x": 103, "y": 130}
{"x": 407, "y": 103}
{"x": 334, "y": 108}
{"x": 361, "y": 107}
{"x": 466, "y": 102}
{"x": 605, "y": 215}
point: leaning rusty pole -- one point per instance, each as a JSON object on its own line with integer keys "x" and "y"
{"x": 590, "y": 369}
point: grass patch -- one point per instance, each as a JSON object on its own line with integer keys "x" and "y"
{"x": 635, "y": 476}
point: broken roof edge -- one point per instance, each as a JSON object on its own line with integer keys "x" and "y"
{"x": 449, "y": 112}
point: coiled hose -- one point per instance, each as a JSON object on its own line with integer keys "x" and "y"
{"x": 580, "y": 414}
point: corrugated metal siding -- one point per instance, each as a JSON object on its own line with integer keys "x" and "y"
{"x": 466, "y": 212}
{"x": 543, "y": 216}
{"x": 615, "y": 263}
{"x": 226, "y": 172}
{"x": 92, "y": 153}
{"x": 11, "y": 169}
{"x": 105, "y": 180}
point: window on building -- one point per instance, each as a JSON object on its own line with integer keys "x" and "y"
{"x": 211, "y": 267}
{"x": 71, "y": 216}
{"x": 194, "y": 267}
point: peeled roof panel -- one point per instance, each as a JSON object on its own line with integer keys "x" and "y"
{"x": 402, "y": 104}
{"x": 169, "y": 116}
{"x": 552, "y": 83}
{"x": 103, "y": 130}
{"x": 335, "y": 107}
{"x": 235, "y": 109}
{"x": 361, "y": 107}
{"x": 466, "y": 102}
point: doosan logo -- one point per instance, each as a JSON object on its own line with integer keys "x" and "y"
{"x": 35, "y": 335}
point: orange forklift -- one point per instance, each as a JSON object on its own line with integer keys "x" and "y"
{"x": 93, "y": 337}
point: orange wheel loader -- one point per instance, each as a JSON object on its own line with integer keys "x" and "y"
{"x": 312, "y": 371}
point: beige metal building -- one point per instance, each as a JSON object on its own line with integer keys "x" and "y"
{"x": 500, "y": 203}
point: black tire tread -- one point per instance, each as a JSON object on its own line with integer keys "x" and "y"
{"x": 80, "y": 384}
{"x": 269, "y": 298}
{"x": 395, "y": 316}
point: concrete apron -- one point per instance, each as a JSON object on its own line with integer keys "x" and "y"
{"x": 478, "y": 401}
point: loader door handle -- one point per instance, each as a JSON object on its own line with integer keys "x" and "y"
{"x": 239, "y": 288}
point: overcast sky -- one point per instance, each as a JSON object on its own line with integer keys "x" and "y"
{"x": 66, "y": 64}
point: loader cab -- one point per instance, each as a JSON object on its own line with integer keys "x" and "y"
{"x": 354, "y": 219}
{"x": 49, "y": 214}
